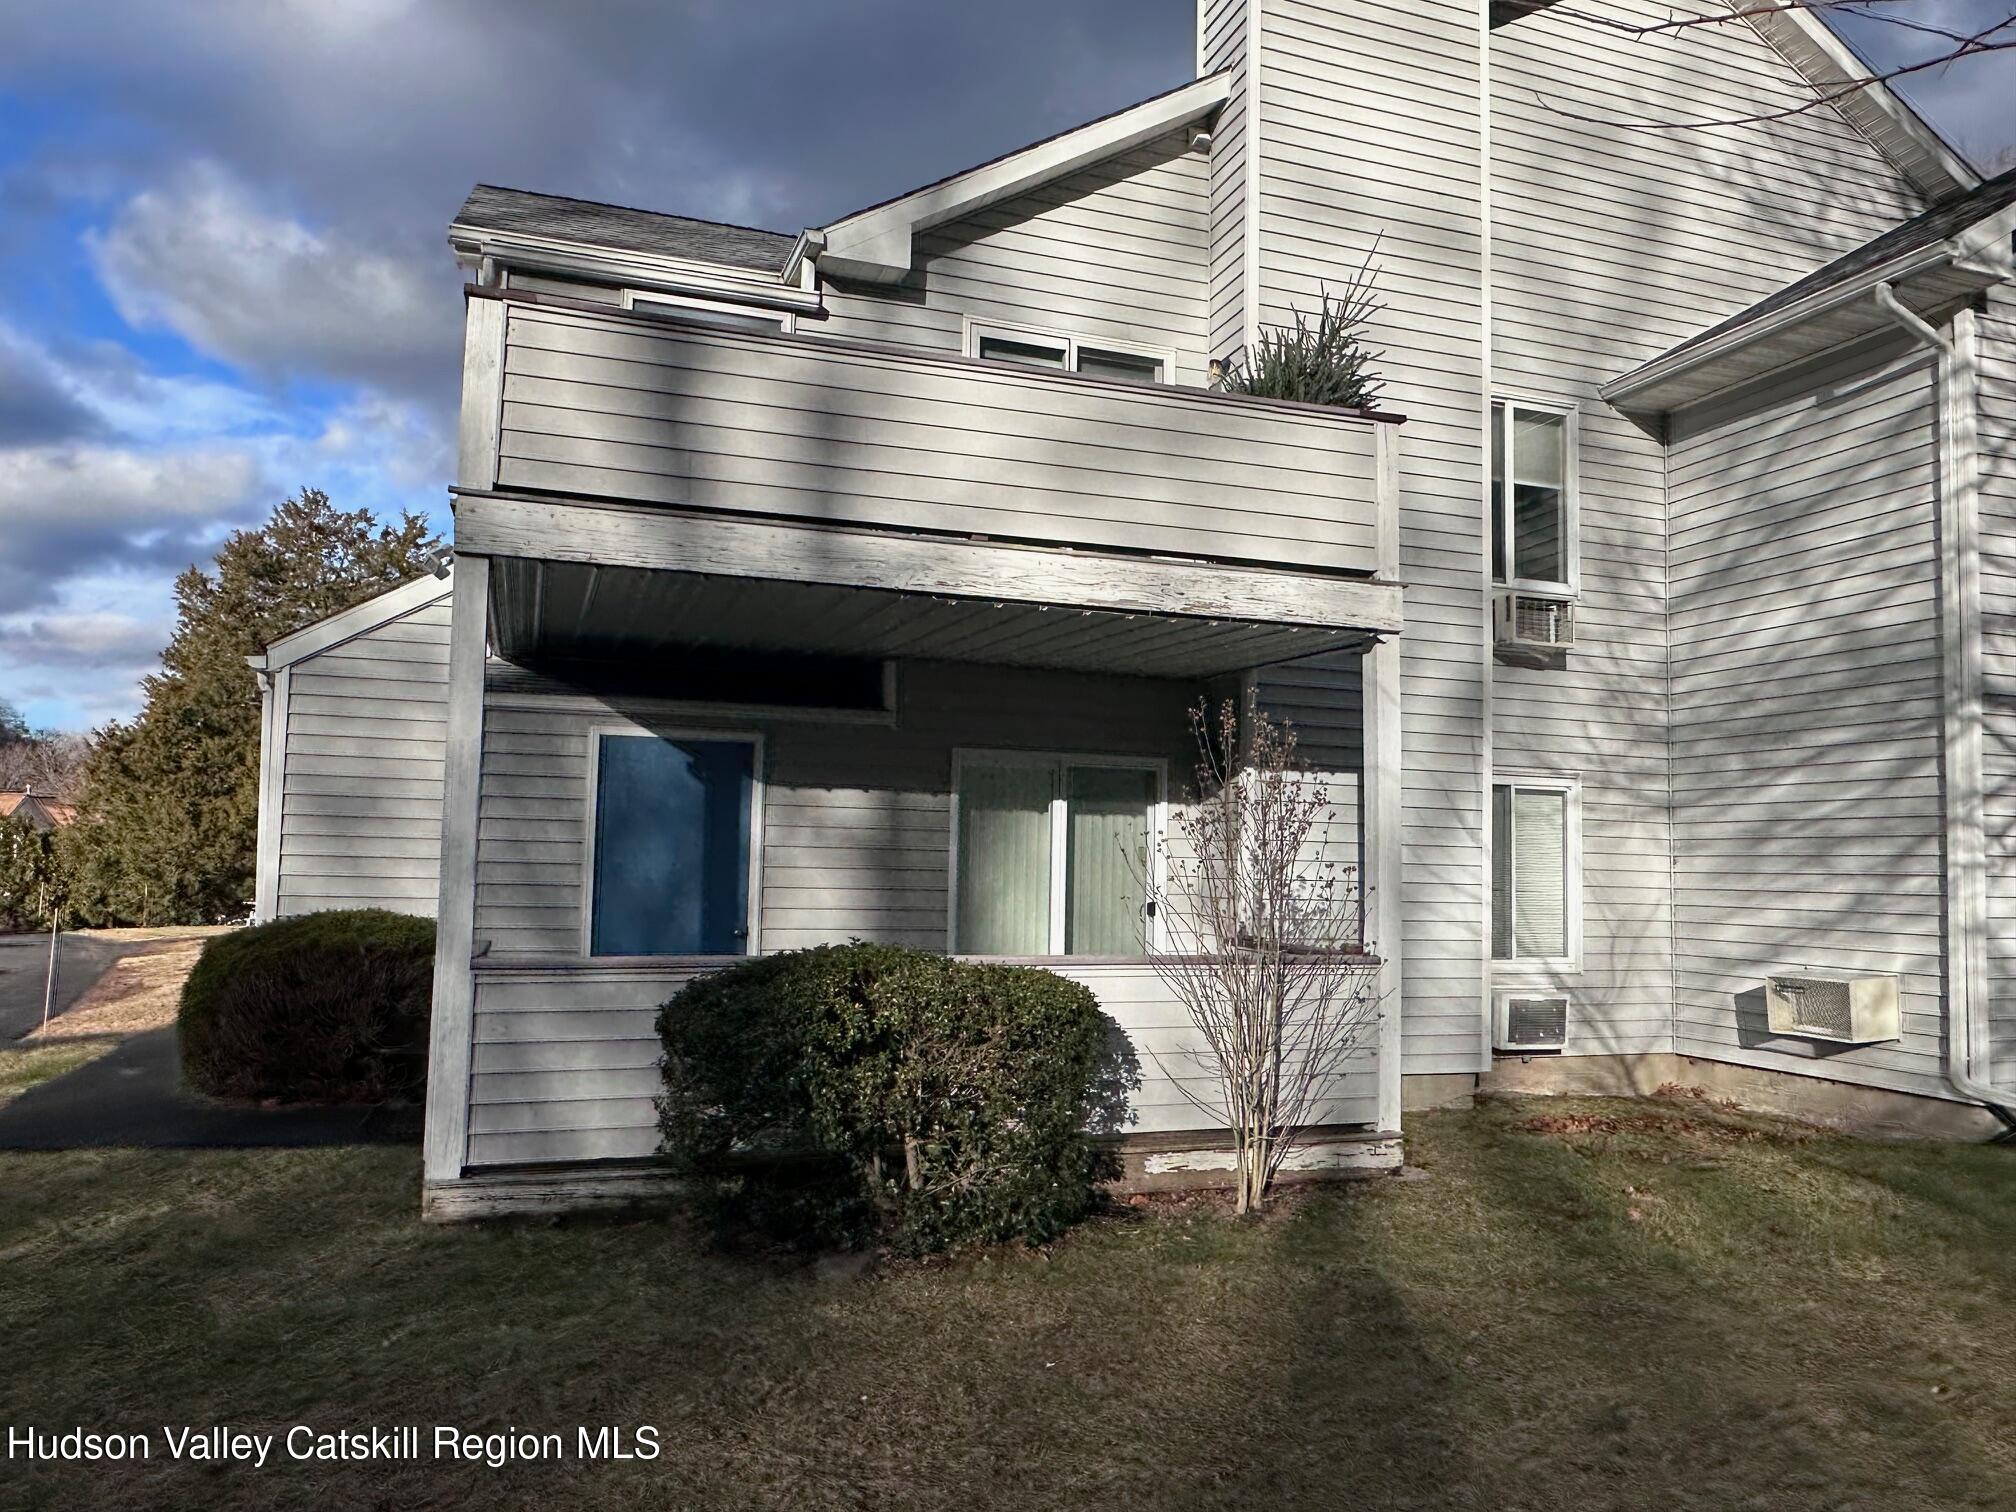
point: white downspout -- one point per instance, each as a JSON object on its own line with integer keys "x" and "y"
{"x": 1967, "y": 1043}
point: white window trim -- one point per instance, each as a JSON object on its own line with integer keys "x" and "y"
{"x": 599, "y": 733}
{"x": 1505, "y": 406}
{"x": 978, "y": 330}
{"x": 787, "y": 320}
{"x": 1517, "y": 969}
{"x": 1059, "y": 837}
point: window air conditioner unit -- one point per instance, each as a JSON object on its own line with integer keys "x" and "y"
{"x": 1528, "y": 1021}
{"x": 1533, "y": 622}
{"x": 1857, "y": 1010}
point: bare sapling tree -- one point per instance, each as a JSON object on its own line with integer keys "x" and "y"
{"x": 1262, "y": 940}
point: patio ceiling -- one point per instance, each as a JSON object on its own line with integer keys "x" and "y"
{"x": 588, "y": 612}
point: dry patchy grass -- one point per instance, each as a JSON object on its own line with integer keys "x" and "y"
{"x": 138, "y": 992}
{"x": 1587, "y": 1305}
{"x": 21, "y": 1067}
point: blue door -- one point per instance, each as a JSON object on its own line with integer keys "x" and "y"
{"x": 672, "y": 826}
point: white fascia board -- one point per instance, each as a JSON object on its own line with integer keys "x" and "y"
{"x": 1983, "y": 250}
{"x": 613, "y": 265}
{"x": 1915, "y": 149}
{"x": 875, "y": 244}
{"x": 358, "y": 619}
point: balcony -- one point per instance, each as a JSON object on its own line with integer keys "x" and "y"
{"x": 626, "y": 474}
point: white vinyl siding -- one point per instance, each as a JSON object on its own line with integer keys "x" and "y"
{"x": 1608, "y": 246}
{"x": 857, "y": 820}
{"x": 1368, "y": 129}
{"x": 1808, "y": 821}
{"x": 1115, "y": 254}
{"x": 787, "y": 426}
{"x": 1997, "y": 431}
{"x": 361, "y": 781}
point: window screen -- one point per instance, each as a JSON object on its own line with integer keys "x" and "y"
{"x": 1028, "y": 353}
{"x": 1529, "y": 873}
{"x": 1108, "y": 811}
{"x": 711, "y": 315}
{"x": 1128, "y": 365}
{"x": 672, "y": 846}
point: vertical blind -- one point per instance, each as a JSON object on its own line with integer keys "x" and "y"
{"x": 1021, "y": 824}
{"x": 1107, "y": 813}
{"x": 1004, "y": 859}
{"x": 1529, "y": 873}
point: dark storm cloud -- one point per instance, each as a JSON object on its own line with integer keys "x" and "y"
{"x": 36, "y": 408}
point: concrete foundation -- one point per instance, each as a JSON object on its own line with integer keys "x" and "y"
{"x": 1812, "y": 1099}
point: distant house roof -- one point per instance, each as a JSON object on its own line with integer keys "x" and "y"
{"x": 42, "y": 812}
{"x": 555, "y": 216}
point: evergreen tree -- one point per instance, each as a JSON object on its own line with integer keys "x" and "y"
{"x": 168, "y": 817}
{"x": 29, "y": 888}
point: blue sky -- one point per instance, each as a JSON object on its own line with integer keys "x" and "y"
{"x": 222, "y": 266}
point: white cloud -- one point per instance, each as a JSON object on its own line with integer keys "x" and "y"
{"x": 400, "y": 440}
{"x": 80, "y": 662}
{"x": 75, "y": 510}
{"x": 240, "y": 282}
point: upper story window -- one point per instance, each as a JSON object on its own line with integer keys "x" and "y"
{"x": 717, "y": 314}
{"x": 1049, "y": 853}
{"x": 1533, "y": 503}
{"x": 1067, "y": 354}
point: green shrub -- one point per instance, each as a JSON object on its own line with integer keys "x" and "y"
{"x": 327, "y": 1007}
{"x": 857, "y": 1092}
{"x": 1319, "y": 360}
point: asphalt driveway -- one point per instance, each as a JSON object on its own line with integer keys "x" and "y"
{"x": 134, "y": 1097}
{"x": 24, "y": 959}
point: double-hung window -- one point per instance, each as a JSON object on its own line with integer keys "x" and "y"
{"x": 672, "y": 866}
{"x": 1066, "y": 354}
{"x": 1536, "y": 871}
{"x": 1533, "y": 502}
{"x": 1050, "y": 854}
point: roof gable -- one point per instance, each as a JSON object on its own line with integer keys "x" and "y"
{"x": 1811, "y": 46}
{"x": 876, "y": 244}
{"x": 358, "y": 619}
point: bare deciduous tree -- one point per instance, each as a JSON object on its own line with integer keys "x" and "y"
{"x": 44, "y": 760}
{"x": 1263, "y": 939}
{"x": 1949, "y": 43}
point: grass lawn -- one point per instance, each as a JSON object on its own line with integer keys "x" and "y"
{"x": 22, "y": 1066}
{"x": 1586, "y": 1305}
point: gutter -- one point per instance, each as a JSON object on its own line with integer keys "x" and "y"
{"x": 1966, "y": 949}
{"x": 1982, "y": 251}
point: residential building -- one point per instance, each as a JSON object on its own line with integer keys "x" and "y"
{"x": 1650, "y": 634}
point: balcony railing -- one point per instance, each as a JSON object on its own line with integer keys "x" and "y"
{"x": 563, "y": 399}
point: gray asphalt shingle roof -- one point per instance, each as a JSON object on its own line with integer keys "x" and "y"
{"x": 492, "y": 208}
